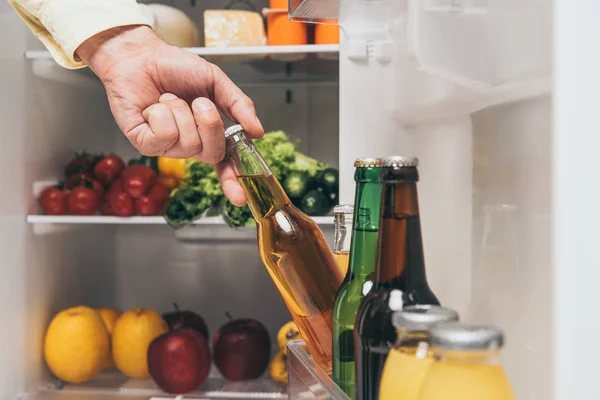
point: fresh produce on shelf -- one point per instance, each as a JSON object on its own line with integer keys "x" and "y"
{"x": 108, "y": 169}
{"x": 76, "y": 344}
{"x": 315, "y": 202}
{"x": 278, "y": 368}
{"x": 82, "y": 163}
{"x": 287, "y": 333}
{"x": 132, "y": 334}
{"x": 329, "y": 179}
{"x": 151, "y": 162}
{"x": 178, "y": 319}
{"x": 137, "y": 180}
{"x": 172, "y": 170}
{"x": 297, "y": 183}
{"x": 197, "y": 193}
{"x": 200, "y": 193}
{"x": 109, "y": 317}
{"x": 179, "y": 361}
{"x": 102, "y": 183}
{"x": 120, "y": 202}
{"x": 84, "y": 199}
{"x": 242, "y": 349}
{"x": 236, "y": 217}
{"x": 53, "y": 200}
{"x": 81, "y": 341}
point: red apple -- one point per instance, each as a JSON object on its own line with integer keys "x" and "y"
{"x": 179, "y": 361}
{"x": 185, "y": 319}
{"x": 242, "y": 349}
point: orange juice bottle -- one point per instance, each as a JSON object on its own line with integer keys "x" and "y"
{"x": 409, "y": 360}
{"x": 466, "y": 365}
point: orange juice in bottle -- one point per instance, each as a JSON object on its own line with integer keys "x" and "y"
{"x": 466, "y": 365}
{"x": 409, "y": 360}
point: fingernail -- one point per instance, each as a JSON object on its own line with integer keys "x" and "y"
{"x": 202, "y": 104}
{"x": 168, "y": 96}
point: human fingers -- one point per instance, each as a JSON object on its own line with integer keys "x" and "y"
{"x": 189, "y": 143}
{"x": 158, "y": 134}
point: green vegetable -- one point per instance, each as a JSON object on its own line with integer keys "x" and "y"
{"x": 297, "y": 184}
{"x": 151, "y": 162}
{"x": 196, "y": 194}
{"x": 315, "y": 202}
{"x": 278, "y": 152}
{"x": 308, "y": 164}
{"x": 200, "y": 192}
{"x": 236, "y": 216}
{"x": 329, "y": 179}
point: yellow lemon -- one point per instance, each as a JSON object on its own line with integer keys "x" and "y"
{"x": 76, "y": 344}
{"x": 132, "y": 334}
{"x": 109, "y": 316}
{"x": 278, "y": 368}
{"x": 287, "y": 332}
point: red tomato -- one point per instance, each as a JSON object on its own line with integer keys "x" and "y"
{"x": 137, "y": 180}
{"x": 85, "y": 179}
{"x": 159, "y": 192}
{"x": 109, "y": 168}
{"x": 83, "y": 201}
{"x": 147, "y": 205}
{"x": 82, "y": 163}
{"x": 105, "y": 207}
{"x": 54, "y": 201}
{"x": 121, "y": 203}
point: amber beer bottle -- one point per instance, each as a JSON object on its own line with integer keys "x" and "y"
{"x": 291, "y": 246}
{"x": 400, "y": 278}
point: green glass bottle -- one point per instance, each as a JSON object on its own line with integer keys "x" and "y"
{"x": 357, "y": 283}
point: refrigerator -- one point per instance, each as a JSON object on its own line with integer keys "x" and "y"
{"x": 496, "y": 98}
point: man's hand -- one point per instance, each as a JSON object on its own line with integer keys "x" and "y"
{"x": 167, "y": 100}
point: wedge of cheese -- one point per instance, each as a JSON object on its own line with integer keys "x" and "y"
{"x": 233, "y": 28}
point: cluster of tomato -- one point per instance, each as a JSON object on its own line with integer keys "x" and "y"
{"x": 105, "y": 184}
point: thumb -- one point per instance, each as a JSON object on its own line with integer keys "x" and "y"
{"x": 235, "y": 104}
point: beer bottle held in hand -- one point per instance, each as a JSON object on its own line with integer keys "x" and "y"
{"x": 400, "y": 278}
{"x": 291, "y": 245}
{"x": 363, "y": 255}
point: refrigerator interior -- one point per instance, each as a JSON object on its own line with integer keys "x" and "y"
{"x": 479, "y": 119}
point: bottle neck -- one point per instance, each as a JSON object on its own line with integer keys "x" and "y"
{"x": 367, "y": 206}
{"x": 264, "y": 193}
{"x": 476, "y": 357}
{"x": 400, "y": 251}
{"x": 415, "y": 340}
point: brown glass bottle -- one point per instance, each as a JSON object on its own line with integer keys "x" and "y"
{"x": 292, "y": 247}
{"x": 400, "y": 278}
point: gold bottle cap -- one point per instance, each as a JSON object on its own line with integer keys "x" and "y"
{"x": 343, "y": 209}
{"x": 233, "y": 129}
{"x": 367, "y": 162}
{"x": 400, "y": 161}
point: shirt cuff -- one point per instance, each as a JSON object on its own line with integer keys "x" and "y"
{"x": 72, "y": 22}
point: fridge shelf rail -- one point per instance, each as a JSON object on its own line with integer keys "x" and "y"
{"x": 235, "y": 54}
{"x": 44, "y": 224}
{"x": 113, "y": 385}
{"x": 135, "y": 220}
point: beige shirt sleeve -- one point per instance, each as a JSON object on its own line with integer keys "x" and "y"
{"x": 63, "y": 25}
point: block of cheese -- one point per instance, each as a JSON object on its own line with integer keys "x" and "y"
{"x": 233, "y": 28}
